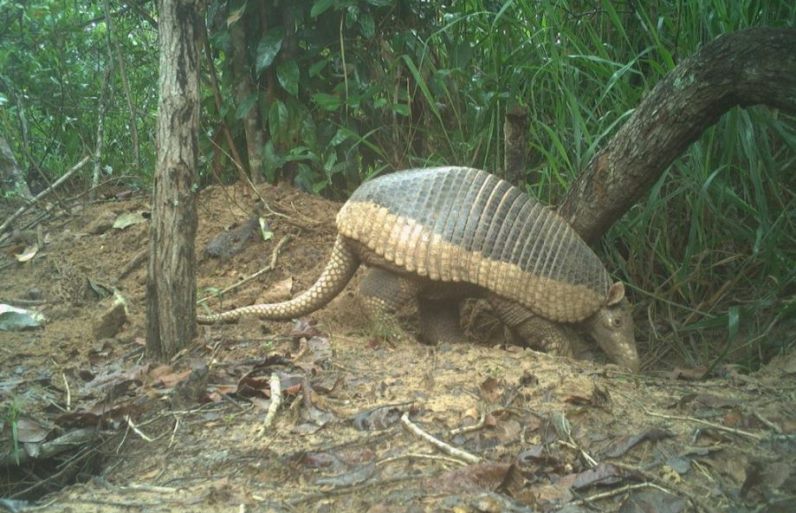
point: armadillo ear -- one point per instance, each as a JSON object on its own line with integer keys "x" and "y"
{"x": 616, "y": 293}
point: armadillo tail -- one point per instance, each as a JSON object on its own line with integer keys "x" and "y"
{"x": 342, "y": 264}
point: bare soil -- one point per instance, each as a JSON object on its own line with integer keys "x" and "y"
{"x": 539, "y": 432}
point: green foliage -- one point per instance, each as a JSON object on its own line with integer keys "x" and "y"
{"x": 52, "y": 59}
{"x": 13, "y": 410}
{"x": 346, "y": 89}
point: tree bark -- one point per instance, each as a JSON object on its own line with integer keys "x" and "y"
{"x": 11, "y": 176}
{"x": 211, "y": 72}
{"x": 102, "y": 109}
{"x": 516, "y": 150}
{"x": 244, "y": 89}
{"x": 171, "y": 279}
{"x": 752, "y": 67}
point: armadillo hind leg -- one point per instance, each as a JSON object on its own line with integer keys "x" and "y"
{"x": 535, "y": 331}
{"x": 384, "y": 294}
{"x": 439, "y": 321}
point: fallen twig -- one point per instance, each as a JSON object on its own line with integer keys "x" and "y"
{"x": 140, "y": 257}
{"x": 68, "y": 392}
{"x": 618, "y": 491}
{"x": 775, "y": 427}
{"x": 136, "y": 430}
{"x": 734, "y": 431}
{"x": 468, "y": 429}
{"x": 417, "y": 455}
{"x": 439, "y": 444}
{"x": 276, "y": 402}
{"x": 342, "y": 490}
{"x": 653, "y": 480}
{"x": 270, "y": 267}
{"x": 13, "y": 217}
{"x": 174, "y": 431}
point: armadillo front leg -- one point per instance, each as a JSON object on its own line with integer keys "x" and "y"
{"x": 384, "y": 294}
{"x": 537, "y": 332}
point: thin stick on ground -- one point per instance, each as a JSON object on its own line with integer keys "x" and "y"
{"x": 713, "y": 425}
{"x": 618, "y": 491}
{"x": 13, "y": 217}
{"x": 468, "y": 429}
{"x": 439, "y": 444}
{"x": 137, "y": 431}
{"x": 137, "y": 260}
{"x": 655, "y": 482}
{"x": 68, "y": 392}
{"x": 270, "y": 267}
{"x": 276, "y": 402}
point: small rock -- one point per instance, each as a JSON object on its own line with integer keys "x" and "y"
{"x": 101, "y": 224}
{"x": 34, "y": 293}
{"x": 110, "y": 322}
{"x": 232, "y": 242}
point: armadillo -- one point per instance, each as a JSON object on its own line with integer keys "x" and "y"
{"x": 435, "y": 233}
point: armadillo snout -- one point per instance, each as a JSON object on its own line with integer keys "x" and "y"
{"x": 613, "y": 330}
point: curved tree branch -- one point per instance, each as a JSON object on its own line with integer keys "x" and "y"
{"x": 752, "y": 67}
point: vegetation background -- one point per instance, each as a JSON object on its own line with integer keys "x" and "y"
{"x": 326, "y": 93}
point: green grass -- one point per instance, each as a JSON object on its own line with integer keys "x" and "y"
{"x": 710, "y": 253}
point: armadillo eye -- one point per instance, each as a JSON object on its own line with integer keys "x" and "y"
{"x": 616, "y": 323}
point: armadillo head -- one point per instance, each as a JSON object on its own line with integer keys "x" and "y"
{"x": 612, "y": 328}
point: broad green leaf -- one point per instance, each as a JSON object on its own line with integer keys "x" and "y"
{"x": 733, "y": 322}
{"x": 271, "y": 161}
{"x": 330, "y": 161}
{"x": 278, "y": 119}
{"x": 319, "y": 186}
{"x": 367, "y": 25}
{"x": 340, "y": 136}
{"x": 380, "y": 3}
{"x": 316, "y": 68}
{"x": 308, "y": 132}
{"x": 401, "y": 109}
{"x": 268, "y": 48}
{"x": 328, "y": 102}
{"x": 298, "y": 153}
{"x": 320, "y": 7}
{"x": 351, "y": 15}
{"x": 306, "y": 178}
{"x": 245, "y": 106}
{"x": 287, "y": 73}
{"x": 235, "y": 15}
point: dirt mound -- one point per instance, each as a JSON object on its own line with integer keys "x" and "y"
{"x": 363, "y": 426}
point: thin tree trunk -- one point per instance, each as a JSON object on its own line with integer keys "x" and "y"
{"x": 101, "y": 111}
{"x": 171, "y": 279}
{"x": 244, "y": 90}
{"x": 125, "y": 86}
{"x": 211, "y": 71}
{"x": 11, "y": 176}
{"x": 41, "y": 176}
{"x": 516, "y": 150}
{"x": 751, "y": 67}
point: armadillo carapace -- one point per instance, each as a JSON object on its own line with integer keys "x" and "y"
{"x": 428, "y": 231}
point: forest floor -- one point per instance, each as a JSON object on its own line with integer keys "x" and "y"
{"x": 88, "y": 424}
